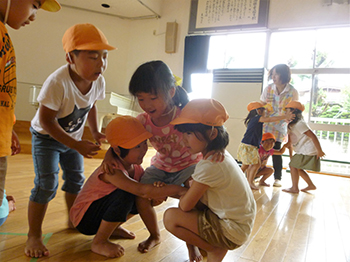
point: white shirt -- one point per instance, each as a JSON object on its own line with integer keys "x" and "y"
{"x": 59, "y": 93}
{"x": 302, "y": 144}
{"x": 228, "y": 196}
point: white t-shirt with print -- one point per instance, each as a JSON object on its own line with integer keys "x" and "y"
{"x": 59, "y": 93}
{"x": 302, "y": 144}
{"x": 228, "y": 196}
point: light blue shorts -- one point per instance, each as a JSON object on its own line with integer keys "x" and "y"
{"x": 153, "y": 174}
{"x": 47, "y": 154}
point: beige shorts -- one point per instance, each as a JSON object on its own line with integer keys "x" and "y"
{"x": 210, "y": 230}
{"x": 248, "y": 154}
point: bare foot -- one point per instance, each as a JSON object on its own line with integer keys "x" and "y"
{"x": 11, "y": 201}
{"x": 262, "y": 183}
{"x": 194, "y": 253}
{"x": 35, "y": 247}
{"x": 148, "y": 244}
{"x": 312, "y": 187}
{"x": 291, "y": 190}
{"x": 107, "y": 249}
{"x": 253, "y": 187}
{"x": 121, "y": 232}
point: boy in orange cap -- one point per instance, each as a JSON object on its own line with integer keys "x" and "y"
{"x": 14, "y": 13}
{"x": 67, "y": 100}
{"x": 108, "y": 200}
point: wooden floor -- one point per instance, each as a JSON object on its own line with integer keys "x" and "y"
{"x": 288, "y": 227}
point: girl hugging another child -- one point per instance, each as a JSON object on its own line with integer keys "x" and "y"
{"x": 217, "y": 212}
{"x": 248, "y": 150}
{"x": 308, "y": 151}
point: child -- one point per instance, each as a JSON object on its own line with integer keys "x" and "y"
{"x": 67, "y": 99}
{"x": 153, "y": 85}
{"x": 248, "y": 152}
{"x": 217, "y": 213}
{"x": 15, "y": 13}
{"x": 307, "y": 149}
{"x": 265, "y": 151}
{"x": 108, "y": 200}
{"x": 8, "y": 205}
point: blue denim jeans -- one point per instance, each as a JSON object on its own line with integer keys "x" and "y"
{"x": 47, "y": 154}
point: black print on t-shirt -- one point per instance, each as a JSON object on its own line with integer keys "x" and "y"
{"x": 74, "y": 121}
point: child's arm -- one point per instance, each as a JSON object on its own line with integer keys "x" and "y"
{"x": 317, "y": 144}
{"x": 193, "y": 195}
{"x": 126, "y": 183}
{"x": 109, "y": 163}
{"x": 49, "y": 122}
{"x": 288, "y": 116}
{"x": 92, "y": 121}
{"x": 281, "y": 151}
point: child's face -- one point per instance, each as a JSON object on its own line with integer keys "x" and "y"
{"x": 268, "y": 144}
{"x": 194, "y": 144}
{"x": 261, "y": 111}
{"x": 136, "y": 154}
{"x": 89, "y": 64}
{"x": 153, "y": 105}
{"x": 22, "y": 12}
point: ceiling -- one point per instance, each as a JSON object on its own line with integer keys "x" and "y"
{"x": 125, "y": 9}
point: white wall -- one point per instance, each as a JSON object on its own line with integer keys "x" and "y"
{"x": 39, "y": 49}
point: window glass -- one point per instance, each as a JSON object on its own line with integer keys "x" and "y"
{"x": 237, "y": 51}
{"x": 295, "y": 49}
{"x": 332, "y": 48}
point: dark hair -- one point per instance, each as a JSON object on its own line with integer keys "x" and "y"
{"x": 298, "y": 116}
{"x": 283, "y": 70}
{"x": 123, "y": 152}
{"x": 155, "y": 77}
{"x": 250, "y": 115}
{"x": 219, "y": 143}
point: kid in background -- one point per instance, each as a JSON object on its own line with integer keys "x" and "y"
{"x": 67, "y": 100}
{"x": 153, "y": 85}
{"x": 217, "y": 213}
{"x": 15, "y": 13}
{"x": 108, "y": 200}
{"x": 308, "y": 151}
{"x": 265, "y": 151}
{"x": 248, "y": 152}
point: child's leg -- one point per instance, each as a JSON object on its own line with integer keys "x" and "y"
{"x": 70, "y": 198}
{"x": 123, "y": 233}
{"x": 295, "y": 181}
{"x": 244, "y": 167}
{"x": 3, "y": 170}
{"x": 34, "y": 245}
{"x": 251, "y": 172}
{"x": 306, "y": 177}
{"x": 101, "y": 244}
{"x": 149, "y": 217}
{"x": 266, "y": 172}
{"x": 184, "y": 225}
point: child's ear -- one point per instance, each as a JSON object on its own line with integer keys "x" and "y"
{"x": 69, "y": 58}
{"x": 172, "y": 92}
{"x": 116, "y": 150}
{"x": 213, "y": 133}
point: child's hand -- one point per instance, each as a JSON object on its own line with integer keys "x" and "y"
{"x": 320, "y": 154}
{"x": 87, "y": 148}
{"x": 99, "y": 137}
{"x": 218, "y": 156}
{"x": 109, "y": 162}
{"x": 15, "y": 145}
{"x": 159, "y": 184}
{"x": 289, "y": 116}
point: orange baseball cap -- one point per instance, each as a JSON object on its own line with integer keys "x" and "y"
{"x": 254, "y": 105}
{"x": 51, "y": 6}
{"x": 85, "y": 37}
{"x": 296, "y": 104}
{"x": 266, "y": 136}
{"x": 126, "y": 132}
{"x": 209, "y": 112}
